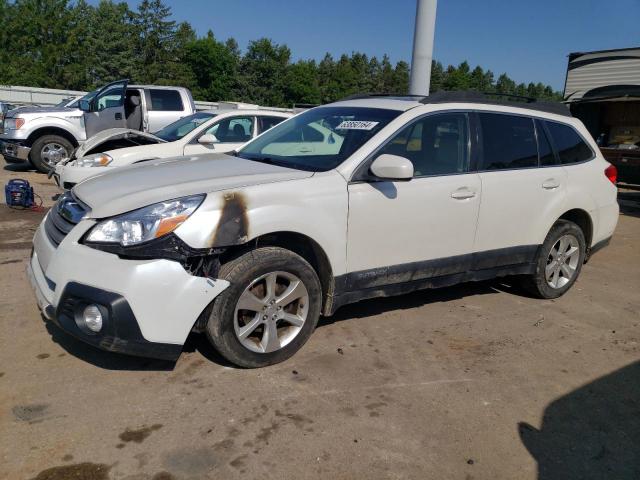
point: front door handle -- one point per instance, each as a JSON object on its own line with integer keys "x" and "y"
{"x": 118, "y": 116}
{"x": 550, "y": 184}
{"x": 463, "y": 194}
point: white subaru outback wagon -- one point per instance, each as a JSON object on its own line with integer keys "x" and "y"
{"x": 366, "y": 197}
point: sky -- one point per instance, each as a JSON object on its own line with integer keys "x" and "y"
{"x": 529, "y": 40}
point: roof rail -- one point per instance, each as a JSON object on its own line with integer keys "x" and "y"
{"x": 358, "y": 96}
{"x": 472, "y": 96}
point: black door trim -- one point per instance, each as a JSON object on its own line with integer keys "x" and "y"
{"x": 441, "y": 272}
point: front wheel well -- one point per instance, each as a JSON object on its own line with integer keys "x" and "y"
{"x": 51, "y": 131}
{"x": 583, "y": 220}
{"x": 300, "y": 244}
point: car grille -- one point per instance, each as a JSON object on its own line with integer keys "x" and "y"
{"x": 63, "y": 216}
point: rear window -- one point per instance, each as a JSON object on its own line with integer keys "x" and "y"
{"x": 265, "y": 123}
{"x": 570, "y": 146}
{"x": 508, "y": 142}
{"x": 166, "y": 100}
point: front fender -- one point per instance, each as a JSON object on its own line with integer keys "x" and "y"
{"x": 315, "y": 207}
{"x": 74, "y": 126}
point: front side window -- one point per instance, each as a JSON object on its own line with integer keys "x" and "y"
{"x": 166, "y": 100}
{"x": 178, "y": 129}
{"x": 319, "y": 139}
{"x": 570, "y": 146}
{"x": 233, "y": 130}
{"x": 508, "y": 142}
{"x": 435, "y": 144}
{"x": 113, "y": 97}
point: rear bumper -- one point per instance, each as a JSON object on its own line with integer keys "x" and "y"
{"x": 14, "y": 152}
{"x": 148, "y": 307}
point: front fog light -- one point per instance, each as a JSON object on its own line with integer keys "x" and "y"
{"x": 92, "y": 318}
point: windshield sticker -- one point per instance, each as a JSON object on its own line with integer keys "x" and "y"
{"x": 356, "y": 125}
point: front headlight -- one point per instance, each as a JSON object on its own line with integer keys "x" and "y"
{"x": 146, "y": 223}
{"x": 97, "y": 160}
{"x": 13, "y": 123}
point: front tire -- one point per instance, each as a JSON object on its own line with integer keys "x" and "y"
{"x": 48, "y": 150}
{"x": 559, "y": 261}
{"x": 269, "y": 310}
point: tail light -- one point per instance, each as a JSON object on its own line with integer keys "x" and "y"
{"x": 611, "y": 172}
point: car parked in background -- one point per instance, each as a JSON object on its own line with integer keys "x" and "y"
{"x": 47, "y": 135}
{"x": 211, "y": 131}
{"x": 361, "y": 198}
{"x": 4, "y": 109}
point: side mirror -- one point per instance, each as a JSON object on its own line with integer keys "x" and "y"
{"x": 207, "y": 139}
{"x": 392, "y": 167}
{"x": 84, "y": 105}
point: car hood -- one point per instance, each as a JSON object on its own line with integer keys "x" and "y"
{"x": 139, "y": 185}
{"x": 113, "y": 134}
{"x": 58, "y": 111}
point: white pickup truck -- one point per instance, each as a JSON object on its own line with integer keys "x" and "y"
{"x": 47, "y": 135}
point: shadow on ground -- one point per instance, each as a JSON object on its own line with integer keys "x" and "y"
{"x": 629, "y": 203}
{"x": 592, "y": 432}
{"x": 376, "y": 306}
{"x": 20, "y": 167}
{"x": 199, "y": 343}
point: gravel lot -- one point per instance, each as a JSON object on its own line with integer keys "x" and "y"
{"x": 476, "y": 381}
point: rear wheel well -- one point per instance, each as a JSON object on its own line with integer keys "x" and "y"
{"x": 300, "y": 244}
{"x": 583, "y": 220}
{"x": 51, "y": 131}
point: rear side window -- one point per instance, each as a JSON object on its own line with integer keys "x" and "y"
{"x": 265, "y": 123}
{"x": 508, "y": 142}
{"x": 166, "y": 100}
{"x": 547, "y": 157}
{"x": 570, "y": 146}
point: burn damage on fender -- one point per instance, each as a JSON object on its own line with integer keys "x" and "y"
{"x": 232, "y": 229}
{"x": 233, "y": 226}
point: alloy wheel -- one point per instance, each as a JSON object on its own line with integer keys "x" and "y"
{"x": 271, "y": 312}
{"x": 52, "y": 153}
{"x": 562, "y": 261}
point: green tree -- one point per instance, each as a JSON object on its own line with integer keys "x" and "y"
{"x": 263, "y": 68}
{"x": 301, "y": 83}
{"x": 213, "y": 67}
{"x": 111, "y": 57}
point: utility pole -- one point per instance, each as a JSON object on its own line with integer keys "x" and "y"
{"x": 423, "y": 47}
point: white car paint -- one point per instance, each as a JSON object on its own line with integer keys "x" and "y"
{"x": 69, "y": 173}
{"x": 365, "y": 228}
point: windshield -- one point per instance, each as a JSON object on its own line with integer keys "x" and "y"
{"x": 178, "y": 129}
{"x": 319, "y": 139}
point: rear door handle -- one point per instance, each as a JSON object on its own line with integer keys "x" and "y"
{"x": 463, "y": 194}
{"x": 550, "y": 184}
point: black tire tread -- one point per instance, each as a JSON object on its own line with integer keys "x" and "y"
{"x": 536, "y": 284}
{"x": 239, "y": 271}
{"x": 34, "y": 155}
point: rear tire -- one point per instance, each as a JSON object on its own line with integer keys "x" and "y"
{"x": 281, "y": 296}
{"x": 558, "y": 262}
{"x": 48, "y": 150}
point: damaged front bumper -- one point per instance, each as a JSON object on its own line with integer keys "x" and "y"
{"x": 14, "y": 152}
{"x": 148, "y": 306}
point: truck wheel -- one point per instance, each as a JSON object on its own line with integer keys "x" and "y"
{"x": 559, "y": 261}
{"x": 270, "y": 309}
{"x": 48, "y": 150}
